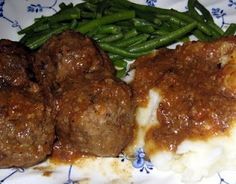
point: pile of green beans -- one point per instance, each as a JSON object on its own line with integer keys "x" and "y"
{"x": 126, "y": 30}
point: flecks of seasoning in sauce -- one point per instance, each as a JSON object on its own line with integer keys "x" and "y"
{"x": 194, "y": 104}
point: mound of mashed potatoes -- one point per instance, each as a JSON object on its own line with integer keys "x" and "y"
{"x": 186, "y": 108}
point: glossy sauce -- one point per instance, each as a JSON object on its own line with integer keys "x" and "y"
{"x": 65, "y": 153}
{"x": 195, "y": 104}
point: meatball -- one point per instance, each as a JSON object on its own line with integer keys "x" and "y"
{"x": 69, "y": 55}
{"x": 26, "y": 126}
{"x": 13, "y": 62}
{"x": 94, "y": 111}
{"x": 96, "y": 117}
{"x": 26, "y": 129}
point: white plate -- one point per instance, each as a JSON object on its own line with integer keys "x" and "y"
{"x": 16, "y": 14}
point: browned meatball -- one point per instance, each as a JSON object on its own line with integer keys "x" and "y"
{"x": 26, "y": 126}
{"x": 96, "y": 117}
{"x": 94, "y": 109}
{"x": 69, "y": 55}
{"x": 13, "y": 61}
{"x": 26, "y": 129}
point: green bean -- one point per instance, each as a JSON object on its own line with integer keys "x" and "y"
{"x": 121, "y": 73}
{"x": 125, "y": 29}
{"x": 165, "y": 27}
{"x": 67, "y": 14}
{"x": 101, "y": 7}
{"x": 119, "y": 32}
{"x": 25, "y": 38}
{"x": 91, "y": 33}
{"x": 114, "y": 56}
{"x": 89, "y": 15}
{"x": 63, "y": 6}
{"x": 141, "y": 40}
{"x": 145, "y": 15}
{"x": 171, "y": 19}
{"x": 181, "y": 16}
{"x": 91, "y": 7}
{"x": 99, "y": 36}
{"x": 184, "y": 39}
{"x": 82, "y": 22}
{"x": 112, "y": 29}
{"x": 164, "y": 40}
{"x": 126, "y": 23}
{"x": 142, "y": 8}
{"x": 216, "y": 28}
{"x": 193, "y": 12}
{"x": 201, "y": 36}
{"x": 111, "y": 38}
{"x": 132, "y": 40}
{"x": 161, "y": 32}
{"x": 29, "y": 29}
{"x": 217, "y": 31}
{"x": 206, "y": 14}
{"x": 201, "y": 26}
{"x": 73, "y": 24}
{"x": 230, "y": 30}
{"x": 174, "y": 27}
{"x": 131, "y": 33}
{"x": 114, "y": 9}
{"x": 121, "y": 52}
{"x": 157, "y": 21}
{"x": 120, "y": 63}
{"x": 80, "y": 5}
{"x": 41, "y": 28}
{"x": 145, "y": 29}
{"x": 105, "y": 20}
{"x": 140, "y": 22}
{"x": 37, "y": 41}
{"x": 108, "y": 12}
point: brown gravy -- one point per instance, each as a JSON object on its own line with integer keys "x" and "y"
{"x": 65, "y": 153}
{"x": 195, "y": 104}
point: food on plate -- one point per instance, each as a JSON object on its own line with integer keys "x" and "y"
{"x": 184, "y": 99}
{"x": 26, "y": 126}
{"x": 126, "y": 30}
{"x": 14, "y": 61}
{"x": 186, "y": 107}
{"x": 95, "y": 116}
{"x": 68, "y": 85}
{"x": 70, "y": 55}
{"x": 94, "y": 109}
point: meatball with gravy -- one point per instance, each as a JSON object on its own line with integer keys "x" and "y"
{"x": 26, "y": 127}
{"x": 94, "y": 111}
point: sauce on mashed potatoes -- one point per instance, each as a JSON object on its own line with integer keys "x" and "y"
{"x": 197, "y": 84}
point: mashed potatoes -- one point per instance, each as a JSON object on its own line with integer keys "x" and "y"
{"x": 186, "y": 108}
